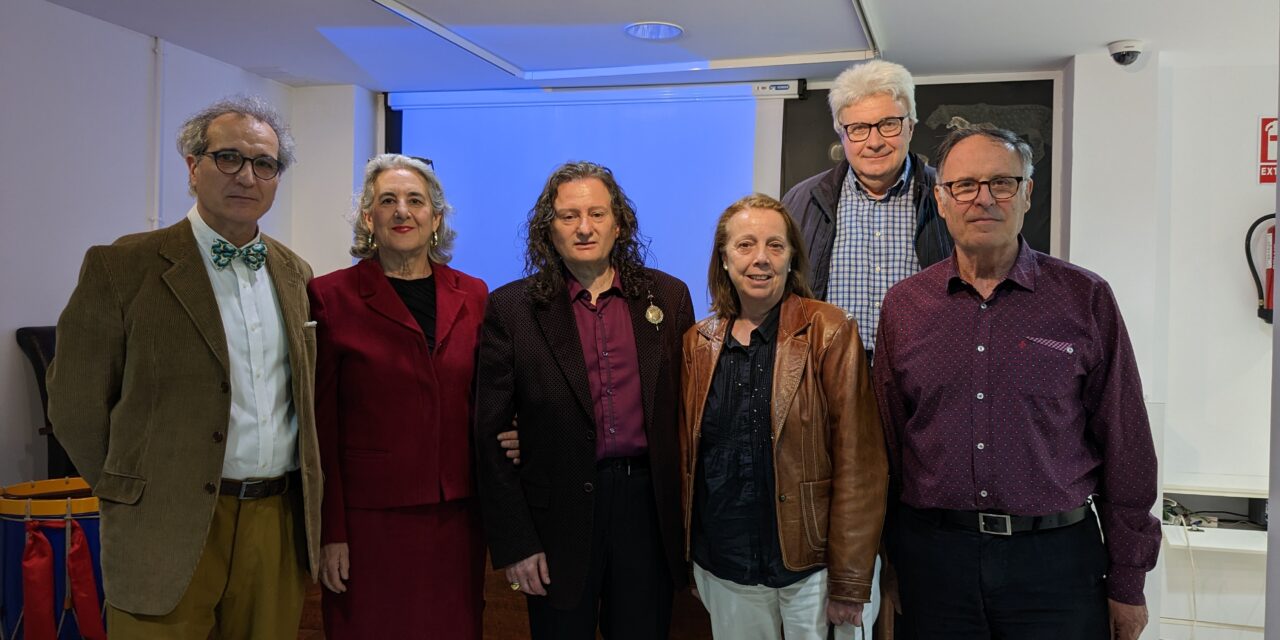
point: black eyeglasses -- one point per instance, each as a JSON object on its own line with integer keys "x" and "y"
{"x": 966, "y": 189}
{"x": 230, "y": 162}
{"x": 427, "y": 161}
{"x": 888, "y": 128}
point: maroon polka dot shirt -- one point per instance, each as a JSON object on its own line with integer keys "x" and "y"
{"x": 1026, "y": 403}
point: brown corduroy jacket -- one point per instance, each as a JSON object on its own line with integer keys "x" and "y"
{"x": 829, "y": 459}
{"x": 139, "y": 395}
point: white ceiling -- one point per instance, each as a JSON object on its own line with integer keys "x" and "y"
{"x": 559, "y": 43}
{"x": 938, "y": 37}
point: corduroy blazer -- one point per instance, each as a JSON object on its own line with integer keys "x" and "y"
{"x": 140, "y": 397}
{"x": 394, "y": 418}
{"x": 531, "y": 366}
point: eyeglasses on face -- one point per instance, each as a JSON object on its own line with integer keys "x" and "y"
{"x": 966, "y": 189}
{"x": 888, "y": 128}
{"x": 230, "y": 162}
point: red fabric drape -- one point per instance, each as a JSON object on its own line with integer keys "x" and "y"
{"x": 38, "y": 580}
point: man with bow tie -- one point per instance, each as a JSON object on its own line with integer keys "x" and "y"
{"x": 181, "y": 388}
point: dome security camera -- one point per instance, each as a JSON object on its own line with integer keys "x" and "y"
{"x": 1125, "y": 52}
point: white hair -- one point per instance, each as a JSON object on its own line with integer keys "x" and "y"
{"x": 877, "y": 77}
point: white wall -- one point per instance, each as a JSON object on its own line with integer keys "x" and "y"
{"x": 1163, "y": 186}
{"x": 333, "y": 153}
{"x": 88, "y": 128}
{"x": 1219, "y": 351}
{"x": 73, "y": 173}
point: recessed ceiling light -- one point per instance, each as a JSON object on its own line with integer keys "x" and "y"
{"x": 651, "y": 30}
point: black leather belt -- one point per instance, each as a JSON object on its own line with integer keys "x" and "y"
{"x": 254, "y": 489}
{"x": 623, "y": 463}
{"x": 1000, "y": 524}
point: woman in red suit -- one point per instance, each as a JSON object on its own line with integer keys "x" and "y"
{"x": 402, "y": 553}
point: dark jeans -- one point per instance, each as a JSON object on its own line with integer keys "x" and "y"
{"x": 958, "y": 584}
{"x": 628, "y": 587}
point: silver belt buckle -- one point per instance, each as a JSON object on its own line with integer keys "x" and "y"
{"x": 1005, "y": 528}
{"x": 245, "y": 484}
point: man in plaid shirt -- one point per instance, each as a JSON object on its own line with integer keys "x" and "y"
{"x": 871, "y": 220}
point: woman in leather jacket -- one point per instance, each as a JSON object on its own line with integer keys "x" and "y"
{"x": 782, "y": 453}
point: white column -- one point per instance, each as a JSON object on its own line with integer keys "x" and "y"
{"x": 334, "y": 127}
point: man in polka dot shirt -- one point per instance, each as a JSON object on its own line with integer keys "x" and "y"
{"x": 1010, "y": 399}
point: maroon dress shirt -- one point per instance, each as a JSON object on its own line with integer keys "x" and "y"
{"x": 1026, "y": 403}
{"x": 613, "y": 369}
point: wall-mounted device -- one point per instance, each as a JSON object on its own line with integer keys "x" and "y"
{"x": 778, "y": 89}
{"x": 1266, "y": 283}
{"x": 1125, "y": 52}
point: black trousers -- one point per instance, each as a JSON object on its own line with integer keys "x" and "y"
{"x": 959, "y": 584}
{"x": 628, "y": 591}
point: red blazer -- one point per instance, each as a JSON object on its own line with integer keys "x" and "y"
{"x": 393, "y": 419}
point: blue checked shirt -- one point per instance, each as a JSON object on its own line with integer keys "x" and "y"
{"x": 873, "y": 249}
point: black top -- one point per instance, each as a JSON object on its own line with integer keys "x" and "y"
{"x": 420, "y": 296}
{"x": 735, "y": 525}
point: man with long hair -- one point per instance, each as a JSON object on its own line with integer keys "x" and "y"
{"x": 586, "y": 351}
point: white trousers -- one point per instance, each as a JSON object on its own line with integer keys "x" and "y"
{"x": 796, "y": 612}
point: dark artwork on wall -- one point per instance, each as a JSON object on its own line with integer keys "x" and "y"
{"x": 809, "y": 143}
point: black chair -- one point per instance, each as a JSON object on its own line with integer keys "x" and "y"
{"x": 37, "y": 343}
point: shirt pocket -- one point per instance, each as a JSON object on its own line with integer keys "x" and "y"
{"x": 1043, "y": 367}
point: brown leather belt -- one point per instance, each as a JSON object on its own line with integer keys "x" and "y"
{"x": 255, "y": 489}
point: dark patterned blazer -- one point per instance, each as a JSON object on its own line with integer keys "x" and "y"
{"x": 531, "y": 365}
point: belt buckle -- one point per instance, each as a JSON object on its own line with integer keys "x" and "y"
{"x": 1005, "y": 528}
{"x": 245, "y": 485}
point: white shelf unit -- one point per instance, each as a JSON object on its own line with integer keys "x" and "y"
{"x": 1216, "y": 484}
{"x": 1216, "y": 540}
{"x": 1215, "y": 586}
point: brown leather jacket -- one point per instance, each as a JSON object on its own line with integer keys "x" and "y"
{"x": 828, "y": 448}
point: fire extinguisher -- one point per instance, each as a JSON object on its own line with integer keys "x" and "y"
{"x": 1266, "y": 302}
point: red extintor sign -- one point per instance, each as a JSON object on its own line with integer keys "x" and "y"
{"x": 1267, "y": 151}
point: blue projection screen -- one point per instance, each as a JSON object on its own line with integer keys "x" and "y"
{"x": 680, "y": 155}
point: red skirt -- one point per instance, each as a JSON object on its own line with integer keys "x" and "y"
{"x": 416, "y": 572}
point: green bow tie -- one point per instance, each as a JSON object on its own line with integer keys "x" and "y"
{"x": 254, "y": 255}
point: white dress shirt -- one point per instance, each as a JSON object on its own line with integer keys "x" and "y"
{"x": 262, "y": 435}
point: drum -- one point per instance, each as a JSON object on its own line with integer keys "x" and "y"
{"x": 50, "y": 578}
